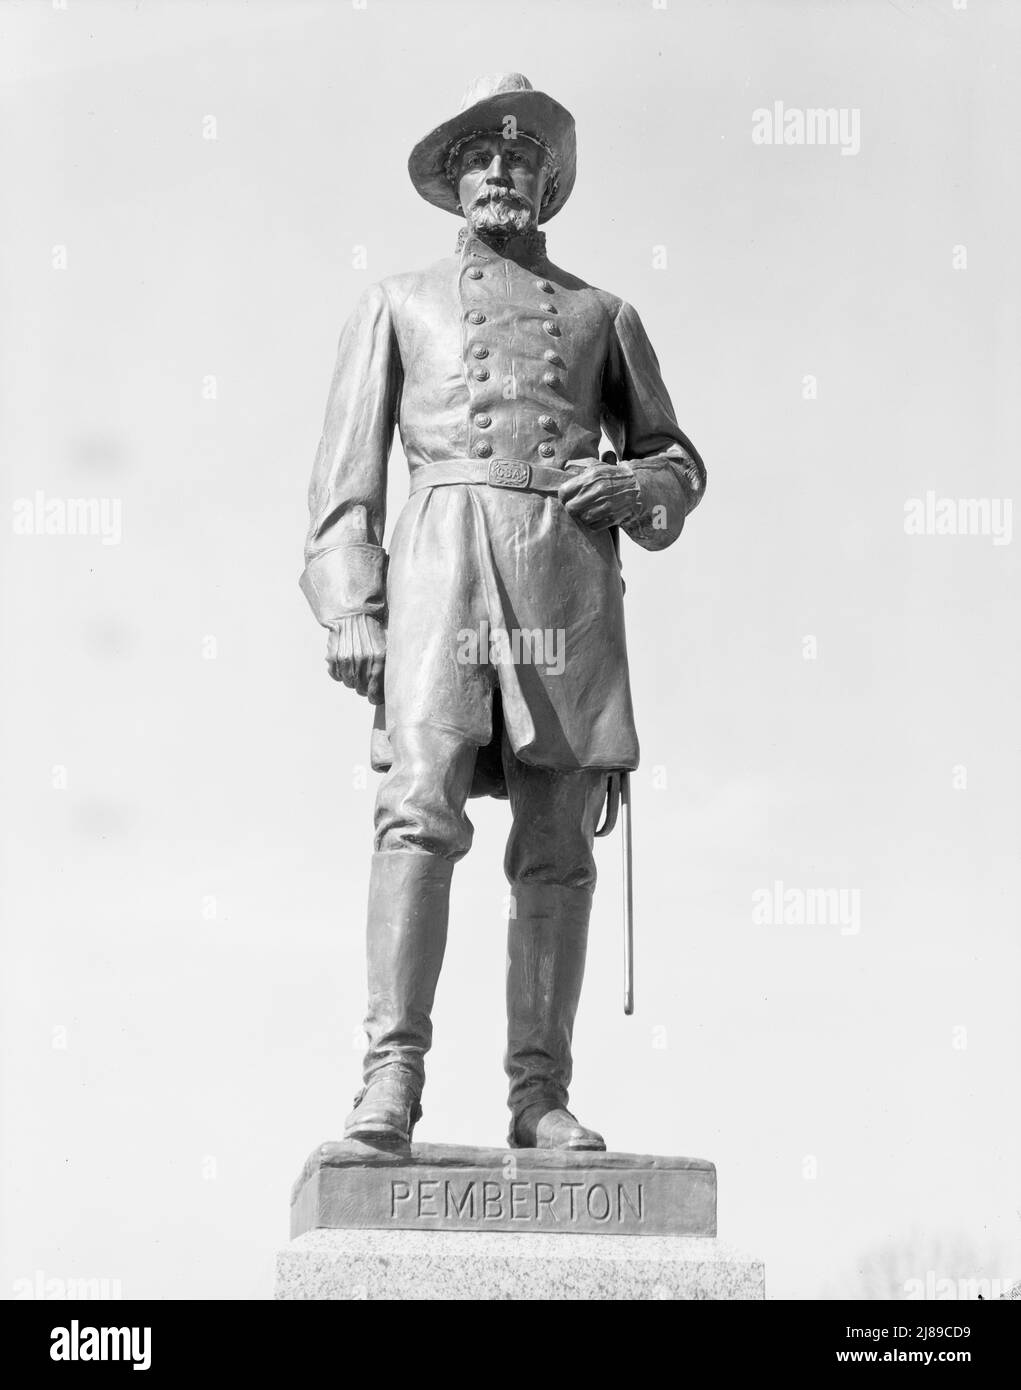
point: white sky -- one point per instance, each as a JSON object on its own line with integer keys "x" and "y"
{"x": 758, "y": 1047}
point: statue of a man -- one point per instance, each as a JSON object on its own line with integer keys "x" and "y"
{"x": 492, "y": 639}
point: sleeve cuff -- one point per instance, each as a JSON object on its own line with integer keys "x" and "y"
{"x": 346, "y": 580}
{"x": 664, "y": 490}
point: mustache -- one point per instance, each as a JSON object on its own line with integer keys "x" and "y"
{"x": 497, "y": 194}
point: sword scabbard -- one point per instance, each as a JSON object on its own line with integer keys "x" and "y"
{"x": 629, "y": 905}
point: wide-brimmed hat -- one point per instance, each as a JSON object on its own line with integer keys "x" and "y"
{"x": 487, "y": 104}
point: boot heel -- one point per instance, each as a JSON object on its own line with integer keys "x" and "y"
{"x": 386, "y": 1110}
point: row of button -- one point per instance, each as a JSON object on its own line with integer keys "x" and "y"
{"x": 483, "y": 449}
{"x": 553, "y": 329}
{"x": 480, "y": 351}
{"x": 548, "y": 422}
{"x": 475, "y": 274}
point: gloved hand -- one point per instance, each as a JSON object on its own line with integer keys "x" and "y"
{"x": 356, "y": 654}
{"x": 602, "y": 493}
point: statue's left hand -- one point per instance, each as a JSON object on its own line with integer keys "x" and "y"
{"x": 602, "y": 495}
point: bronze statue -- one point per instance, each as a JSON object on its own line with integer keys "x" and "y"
{"x": 492, "y": 638}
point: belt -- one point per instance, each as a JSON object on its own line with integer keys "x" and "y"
{"x": 508, "y": 473}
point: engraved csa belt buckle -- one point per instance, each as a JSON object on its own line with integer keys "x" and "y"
{"x": 507, "y": 473}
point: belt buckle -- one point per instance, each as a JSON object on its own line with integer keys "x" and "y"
{"x": 509, "y": 473}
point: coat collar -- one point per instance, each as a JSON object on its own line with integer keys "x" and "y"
{"x": 528, "y": 249}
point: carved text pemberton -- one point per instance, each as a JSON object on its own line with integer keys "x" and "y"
{"x": 530, "y": 1200}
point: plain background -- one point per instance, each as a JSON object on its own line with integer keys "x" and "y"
{"x": 187, "y": 810}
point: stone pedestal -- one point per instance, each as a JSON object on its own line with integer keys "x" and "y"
{"x": 449, "y": 1187}
{"x": 449, "y": 1222}
{"x": 483, "y": 1265}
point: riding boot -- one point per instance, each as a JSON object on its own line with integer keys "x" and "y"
{"x": 546, "y": 940}
{"x": 409, "y": 897}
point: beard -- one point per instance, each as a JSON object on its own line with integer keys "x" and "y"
{"x": 500, "y": 210}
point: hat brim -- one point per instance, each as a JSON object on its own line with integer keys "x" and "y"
{"x": 536, "y": 114}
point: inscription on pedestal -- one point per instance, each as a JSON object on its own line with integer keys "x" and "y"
{"x": 447, "y": 1188}
{"x": 523, "y": 1199}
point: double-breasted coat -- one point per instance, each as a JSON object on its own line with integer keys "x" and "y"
{"x": 494, "y": 365}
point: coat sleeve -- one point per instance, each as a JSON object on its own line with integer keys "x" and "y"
{"x": 345, "y": 563}
{"x": 639, "y": 420}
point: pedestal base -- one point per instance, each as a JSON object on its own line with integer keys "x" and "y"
{"x": 474, "y": 1265}
{"x": 450, "y": 1187}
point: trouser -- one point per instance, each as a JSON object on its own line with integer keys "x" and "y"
{"x": 421, "y": 831}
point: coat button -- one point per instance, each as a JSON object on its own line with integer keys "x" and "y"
{"x": 481, "y": 373}
{"x": 545, "y": 286}
{"x": 547, "y": 449}
{"x": 480, "y": 351}
{"x": 483, "y": 421}
{"x": 551, "y": 328}
{"x": 551, "y": 378}
{"x": 548, "y": 308}
{"x": 554, "y": 357}
{"x": 483, "y": 450}
{"x": 547, "y": 422}
{"x": 475, "y": 273}
{"x": 476, "y": 316}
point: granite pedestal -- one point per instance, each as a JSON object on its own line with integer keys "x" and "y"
{"x": 448, "y": 1222}
{"x": 483, "y": 1265}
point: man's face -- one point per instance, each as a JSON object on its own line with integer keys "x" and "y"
{"x": 500, "y": 183}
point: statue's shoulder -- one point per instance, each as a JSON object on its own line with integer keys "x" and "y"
{"x": 610, "y": 304}
{"x": 409, "y": 285}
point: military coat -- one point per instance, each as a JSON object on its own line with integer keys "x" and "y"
{"x": 501, "y": 364}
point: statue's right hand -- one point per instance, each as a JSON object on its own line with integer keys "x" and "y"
{"x": 356, "y": 654}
